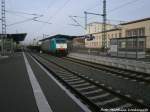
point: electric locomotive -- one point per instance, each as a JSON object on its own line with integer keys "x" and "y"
{"x": 55, "y": 46}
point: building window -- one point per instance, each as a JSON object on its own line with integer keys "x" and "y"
{"x": 116, "y": 35}
{"x": 142, "y": 32}
{"x": 134, "y": 44}
{"x": 120, "y": 35}
{"x": 122, "y": 44}
{"x": 141, "y": 44}
{"x": 129, "y": 44}
{"x": 135, "y": 32}
{"x": 128, "y": 33}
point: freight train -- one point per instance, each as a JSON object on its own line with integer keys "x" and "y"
{"x": 55, "y": 46}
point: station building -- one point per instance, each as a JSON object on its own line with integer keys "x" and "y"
{"x": 95, "y": 29}
{"x": 138, "y": 28}
{"x": 129, "y": 29}
{"x": 97, "y": 41}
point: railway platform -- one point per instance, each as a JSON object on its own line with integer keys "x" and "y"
{"x": 16, "y": 93}
{"x": 26, "y": 87}
{"x": 139, "y": 66}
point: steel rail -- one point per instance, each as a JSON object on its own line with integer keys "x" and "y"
{"x": 115, "y": 70}
{"x": 109, "y": 90}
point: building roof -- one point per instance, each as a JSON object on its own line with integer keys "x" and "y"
{"x": 114, "y": 29}
{"x": 99, "y": 23}
{"x": 135, "y": 21}
{"x": 59, "y": 36}
{"x": 16, "y": 37}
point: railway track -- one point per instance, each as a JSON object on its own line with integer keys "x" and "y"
{"x": 94, "y": 94}
{"x": 122, "y": 73}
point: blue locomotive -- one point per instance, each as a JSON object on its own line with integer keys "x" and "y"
{"x": 56, "y": 45}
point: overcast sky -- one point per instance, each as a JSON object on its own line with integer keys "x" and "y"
{"x": 57, "y": 12}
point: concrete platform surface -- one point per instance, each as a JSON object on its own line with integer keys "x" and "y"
{"x": 56, "y": 96}
{"x": 20, "y": 92}
{"x": 15, "y": 90}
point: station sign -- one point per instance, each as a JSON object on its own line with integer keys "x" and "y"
{"x": 89, "y": 37}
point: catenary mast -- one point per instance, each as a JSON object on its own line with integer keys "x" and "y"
{"x": 3, "y": 19}
{"x": 104, "y": 39}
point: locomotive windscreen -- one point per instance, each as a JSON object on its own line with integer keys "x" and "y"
{"x": 61, "y": 41}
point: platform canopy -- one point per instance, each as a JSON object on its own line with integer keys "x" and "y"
{"x": 59, "y": 36}
{"x": 16, "y": 37}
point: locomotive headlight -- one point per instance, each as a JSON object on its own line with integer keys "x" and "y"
{"x": 61, "y": 46}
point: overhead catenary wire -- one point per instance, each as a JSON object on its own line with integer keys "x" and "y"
{"x": 117, "y": 8}
{"x": 93, "y": 7}
{"x": 78, "y": 17}
{"x": 77, "y": 23}
{"x": 59, "y": 10}
{"x": 19, "y": 22}
{"x": 81, "y": 17}
{"x": 123, "y": 5}
{"x": 55, "y": 14}
{"x": 49, "y": 7}
{"x": 46, "y": 10}
{"x": 36, "y": 15}
{"x": 19, "y": 15}
{"x": 29, "y": 19}
{"x": 73, "y": 25}
{"x": 19, "y": 12}
{"x": 42, "y": 21}
{"x": 65, "y": 2}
